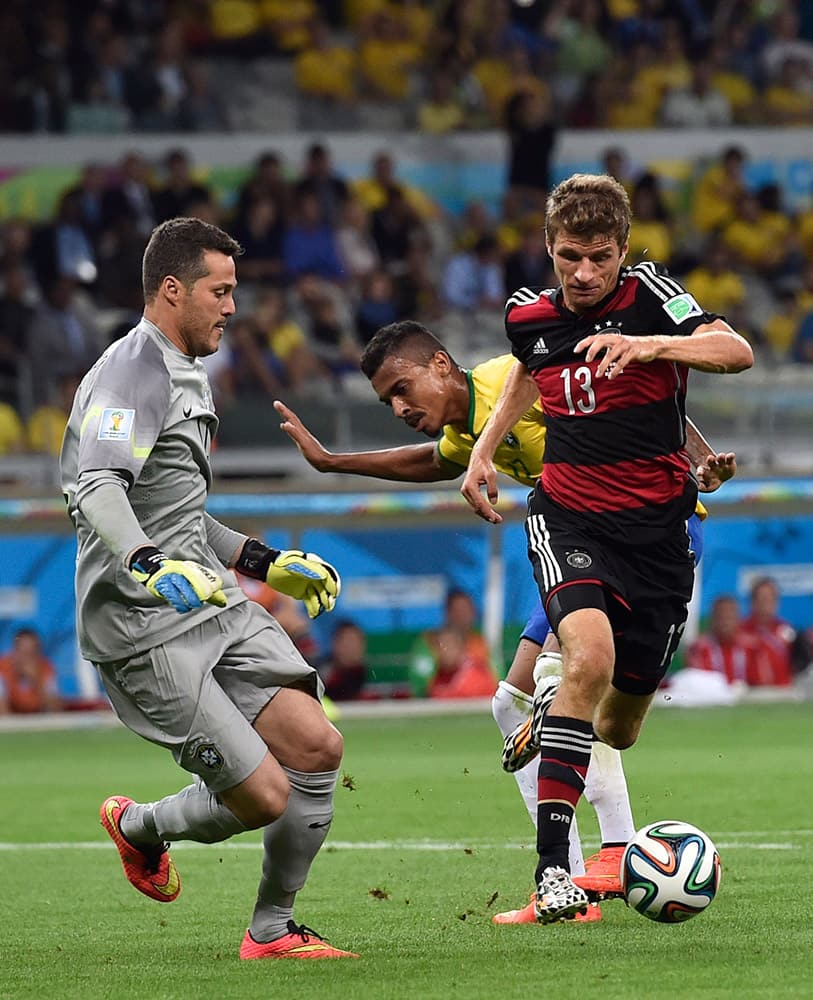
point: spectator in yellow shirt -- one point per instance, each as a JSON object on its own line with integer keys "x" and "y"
{"x": 667, "y": 67}
{"x": 46, "y": 425}
{"x": 442, "y": 111}
{"x": 12, "y": 432}
{"x": 651, "y": 237}
{"x": 792, "y": 308}
{"x": 288, "y": 21}
{"x": 781, "y": 326}
{"x": 718, "y": 191}
{"x": 324, "y": 69}
{"x": 734, "y": 84}
{"x": 624, "y": 99}
{"x": 715, "y": 283}
{"x": 416, "y": 17}
{"x": 789, "y": 100}
{"x": 373, "y": 191}
{"x": 296, "y": 363}
{"x": 503, "y": 75}
{"x": 387, "y": 57}
{"x": 804, "y": 296}
{"x": 760, "y": 239}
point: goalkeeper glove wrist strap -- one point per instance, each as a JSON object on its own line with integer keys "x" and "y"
{"x": 255, "y": 559}
{"x": 146, "y": 561}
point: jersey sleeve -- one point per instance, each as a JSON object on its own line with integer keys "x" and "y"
{"x": 123, "y": 411}
{"x": 528, "y": 315}
{"x": 665, "y": 302}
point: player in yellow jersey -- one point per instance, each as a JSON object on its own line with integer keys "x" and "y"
{"x": 414, "y": 374}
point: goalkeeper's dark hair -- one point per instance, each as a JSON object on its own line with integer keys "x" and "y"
{"x": 177, "y": 247}
{"x": 406, "y": 339}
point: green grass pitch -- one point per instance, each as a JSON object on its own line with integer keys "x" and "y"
{"x": 427, "y": 844}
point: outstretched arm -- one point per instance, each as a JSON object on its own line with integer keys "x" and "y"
{"x": 519, "y": 393}
{"x": 711, "y": 468}
{"x": 713, "y": 347}
{"x": 410, "y": 463}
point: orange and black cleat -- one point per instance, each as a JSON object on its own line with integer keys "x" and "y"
{"x": 299, "y": 942}
{"x": 151, "y": 870}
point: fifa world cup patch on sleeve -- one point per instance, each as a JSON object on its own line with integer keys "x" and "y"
{"x": 682, "y": 307}
{"x": 116, "y": 424}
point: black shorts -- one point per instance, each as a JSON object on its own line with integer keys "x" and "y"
{"x": 644, "y": 590}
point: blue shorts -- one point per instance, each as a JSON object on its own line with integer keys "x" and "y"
{"x": 537, "y": 628}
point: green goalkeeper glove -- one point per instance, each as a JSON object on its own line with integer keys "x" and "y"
{"x": 184, "y": 584}
{"x": 302, "y": 575}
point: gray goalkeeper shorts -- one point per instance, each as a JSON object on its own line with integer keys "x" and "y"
{"x": 199, "y": 693}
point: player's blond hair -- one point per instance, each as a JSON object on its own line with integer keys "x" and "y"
{"x": 589, "y": 205}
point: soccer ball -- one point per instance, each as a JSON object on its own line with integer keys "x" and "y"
{"x": 670, "y": 871}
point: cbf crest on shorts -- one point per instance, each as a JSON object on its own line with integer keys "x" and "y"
{"x": 209, "y": 756}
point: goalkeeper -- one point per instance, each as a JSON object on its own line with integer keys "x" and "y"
{"x": 187, "y": 661}
{"x": 414, "y": 374}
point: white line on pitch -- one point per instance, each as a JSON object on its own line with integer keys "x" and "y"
{"x": 360, "y": 845}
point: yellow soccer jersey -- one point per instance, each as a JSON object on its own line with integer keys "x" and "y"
{"x": 520, "y": 454}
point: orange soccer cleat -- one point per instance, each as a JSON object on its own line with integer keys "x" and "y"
{"x": 527, "y": 915}
{"x": 299, "y": 942}
{"x": 602, "y": 876}
{"x": 151, "y": 870}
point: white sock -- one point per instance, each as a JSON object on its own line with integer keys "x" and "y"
{"x": 574, "y": 853}
{"x": 606, "y": 790}
{"x": 510, "y": 708}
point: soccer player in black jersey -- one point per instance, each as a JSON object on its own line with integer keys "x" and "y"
{"x": 609, "y": 353}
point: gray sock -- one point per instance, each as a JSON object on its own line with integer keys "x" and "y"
{"x": 290, "y": 845}
{"x": 137, "y": 825}
{"x": 193, "y": 813}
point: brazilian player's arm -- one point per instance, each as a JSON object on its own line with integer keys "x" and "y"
{"x": 410, "y": 463}
{"x": 519, "y": 393}
{"x": 711, "y": 468}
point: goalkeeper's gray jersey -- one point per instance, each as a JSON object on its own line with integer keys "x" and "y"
{"x": 143, "y": 417}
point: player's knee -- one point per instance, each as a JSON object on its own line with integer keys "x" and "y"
{"x": 590, "y": 672}
{"x": 321, "y": 749}
{"x": 267, "y": 804}
{"x": 332, "y": 750}
{"x": 620, "y": 734}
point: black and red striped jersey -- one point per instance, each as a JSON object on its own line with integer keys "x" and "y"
{"x": 614, "y": 448}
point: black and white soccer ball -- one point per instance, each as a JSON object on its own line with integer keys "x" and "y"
{"x": 670, "y": 871}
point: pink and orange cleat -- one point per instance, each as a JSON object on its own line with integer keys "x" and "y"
{"x": 527, "y": 915}
{"x": 151, "y": 871}
{"x": 602, "y": 876}
{"x": 299, "y": 942}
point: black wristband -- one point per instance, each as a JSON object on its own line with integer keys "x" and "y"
{"x": 255, "y": 559}
{"x": 148, "y": 559}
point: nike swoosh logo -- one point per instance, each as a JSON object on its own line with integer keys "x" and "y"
{"x": 173, "y": 882}
{"x": 318, "y": 826}
{"x": 187, "y": 411}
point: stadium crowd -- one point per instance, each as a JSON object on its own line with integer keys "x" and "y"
{"x": 116, "y": 65}
{"x": 328, "y": 261}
